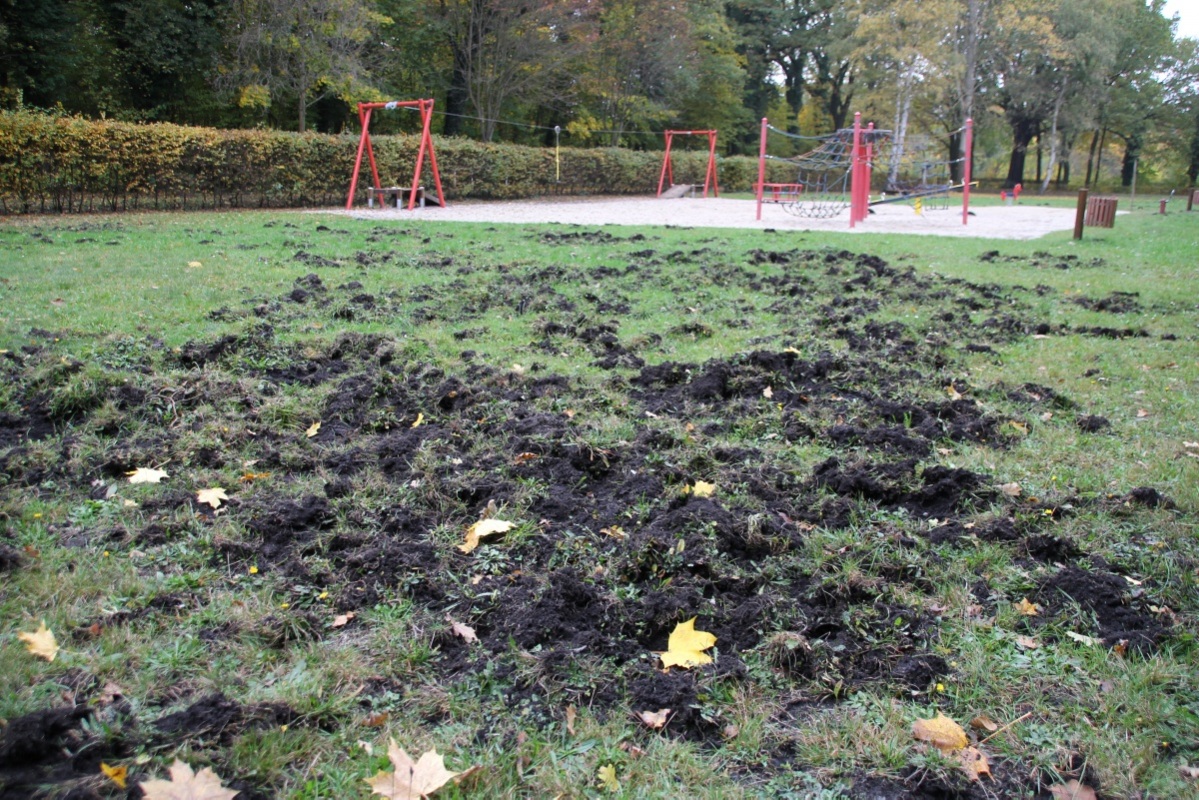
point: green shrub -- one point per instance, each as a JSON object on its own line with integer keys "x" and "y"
{"x": 56, "y": 163}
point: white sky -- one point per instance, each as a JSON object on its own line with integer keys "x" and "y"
{"x": 1188, "y": 16}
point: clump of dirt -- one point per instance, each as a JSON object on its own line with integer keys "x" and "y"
{"x": 1105, "y": 598}
{"x": 1092, "y": 423}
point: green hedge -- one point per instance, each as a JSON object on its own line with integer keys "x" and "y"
{"x": 68, "y": 164}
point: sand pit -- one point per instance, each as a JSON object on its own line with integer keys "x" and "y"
{"x": 995, "y": 222}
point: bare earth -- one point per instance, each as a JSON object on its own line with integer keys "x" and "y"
{"x": 996, "y": 222}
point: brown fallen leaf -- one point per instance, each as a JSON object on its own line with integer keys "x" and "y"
{"x": 481, "y": 530}
{"x": 462, "y": 629}
{"x": 984, "y": 723}
{"x": 974, "y": 763}
{"x": 377, "y": 720}
{"x": 571, "y": 714}
{"x": 1010, "y": 489}
{"x": 1142, "y": 413}
{"x": 941, "y": 732}
{"x": 342, "y": 620}
{"x": 1188, "y": 772}
{"x": 187, "y": 785}
{"x": 730, "y": 731}
{"x": 1072, "y": 790}
{"x": 411, "y": 780}
{"x": 654, "y": 719}
{"x": 41, "y": 642}
{"x": 1028, "y": 642}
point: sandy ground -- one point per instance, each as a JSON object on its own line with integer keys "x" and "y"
{"x": 997, "y": 222}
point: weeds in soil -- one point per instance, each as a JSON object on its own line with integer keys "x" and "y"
{"x": 912, "y": 443}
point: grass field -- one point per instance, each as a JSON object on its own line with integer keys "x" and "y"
{"x": 946, "y": 476}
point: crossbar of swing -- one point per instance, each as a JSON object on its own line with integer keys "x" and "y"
{"x": 709, "y": 173}
{"x": 933, "y": 190}
{"x": 425, "y": 107}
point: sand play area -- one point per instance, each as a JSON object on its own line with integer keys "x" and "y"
{"x": 996, "y": 222}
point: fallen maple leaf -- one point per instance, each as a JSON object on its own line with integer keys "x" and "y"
{"x": 654, "y": 719}
{"x": 1028, "y": 609}
{"x": 117, "y": 775}
{"x": 412, "y": 780}
{"x": 313, "y": 429}
{"x": 462, "y": 629}
{"x": 41, "y": 642}
{"x": 953, "y": 392}
{"x": 481, "y": 530}
{"x": 607, "y": 778}
{"x": 685, "y": 646}
{"x": 187, "y": 785}
{"x": 1073, "y": 790}
{"x": 1028, "y": 642}
{"x": 146, "y": 475}
{"x": 341, "y": 620}
{"x": 703, "y": 489}
{"x": 941, "y": 732}
{"x": 213, "y": 497}
{"x": 974, "y": 763}
{"x": 1010, "y": 489}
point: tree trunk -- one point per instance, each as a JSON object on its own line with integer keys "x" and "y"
{"x": 456, "y": 97}
{"x": 303, "y": 103}
{"x": 1193, "y": 169}
{"x": 1132, "y": 151}
{"x": 1091, "y": 159}
{"x": 1099, "y": 155}
{"x": 1022, "y": 134}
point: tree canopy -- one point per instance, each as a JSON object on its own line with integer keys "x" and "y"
{"x": 1044, "y": 79}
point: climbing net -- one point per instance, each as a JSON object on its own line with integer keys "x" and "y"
{"x": 841, "y": 169}
{"x": 915, "y": 171}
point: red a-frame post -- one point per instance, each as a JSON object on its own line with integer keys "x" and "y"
{"x": 668, "y": 168}
{"x": 426, "y": 146}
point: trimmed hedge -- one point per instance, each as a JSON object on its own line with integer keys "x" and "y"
{"x": 69, "y": 165}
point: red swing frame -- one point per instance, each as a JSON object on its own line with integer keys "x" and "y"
{"x": 426, "y": 146}
{"x": 668, "y": 167}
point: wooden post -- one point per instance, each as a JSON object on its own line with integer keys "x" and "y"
{"x": 1190, "y": 198}
{"x": 1080, "y": 214}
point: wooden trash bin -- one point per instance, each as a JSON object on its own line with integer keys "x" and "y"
{"x": 1101, "y": 212}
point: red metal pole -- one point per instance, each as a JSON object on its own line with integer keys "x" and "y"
{"x": 762, "y": 164}
{"x": 370, "y": 150}
{"x": 855, "y": 169}
{"x": 666, "y": 170}
{"x": 710, "y": 177}
{"x": 966, "y": 171}
{"x": 357, "y": 160}
{"x": 428, "y": 112}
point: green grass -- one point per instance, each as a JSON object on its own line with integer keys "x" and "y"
{"x": 107, "y": 305}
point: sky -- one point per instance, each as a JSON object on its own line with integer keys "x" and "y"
{"x": 1188, "y": 16}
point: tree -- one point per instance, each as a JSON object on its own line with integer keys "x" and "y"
{"x": 298, "y": 50}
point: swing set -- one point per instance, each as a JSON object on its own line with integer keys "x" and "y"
{"x": 398, "y": 193}
{"x": 667, "y": 177}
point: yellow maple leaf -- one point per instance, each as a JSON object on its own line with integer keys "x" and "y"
{"x": 686, "y": 645}
{"x": 607, "y": 778}
{"x": 313, "y": 429}
{"x": 41, "y": 642}
{"x": 146, "y": 475}
{"x": 420, "y": 418}
{"x": 187, "y": 785}
{"x": 953, "y": 392}
{"x": 481, "y": 530}
{"x": 941, "y": 732}
{"x": 117, "y": 775}
{"x": 1028, "y": 609}
{"x": 213, "y": 497}
{"x": 703, "y": 489}
{"x": 412, "y": 780}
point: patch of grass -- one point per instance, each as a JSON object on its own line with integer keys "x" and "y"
{"x": 858, "y": 402}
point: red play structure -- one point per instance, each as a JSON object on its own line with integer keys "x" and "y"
{"x": 425, "y": 107}
{"x": 709, "y": 174}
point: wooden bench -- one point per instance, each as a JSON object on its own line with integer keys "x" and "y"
{"x": 394, "y": 195}
{"x": 781, "y": 192}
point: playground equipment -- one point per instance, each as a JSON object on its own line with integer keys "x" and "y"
{"x": 377, "y": 190}
{"x": 838, "y": 172}
{"x": 667, "y": 177}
